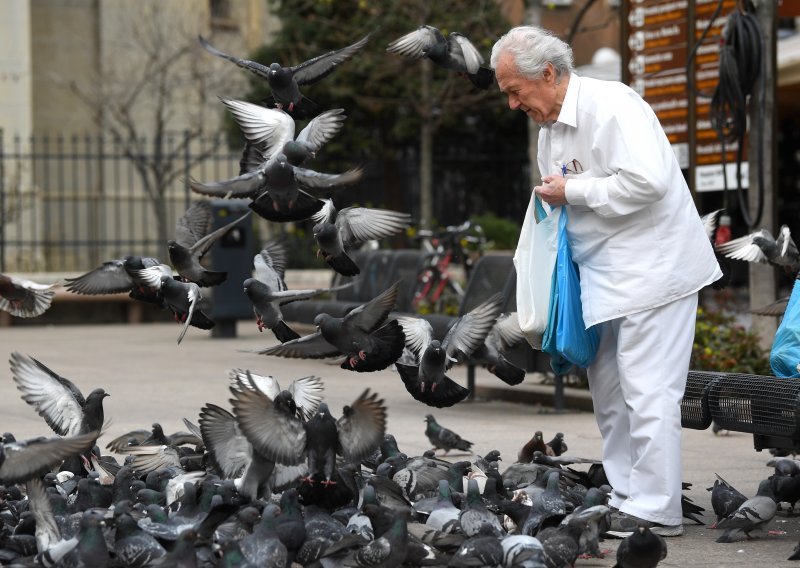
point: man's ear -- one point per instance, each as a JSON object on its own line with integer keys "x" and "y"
{"x": 549, "y": 73}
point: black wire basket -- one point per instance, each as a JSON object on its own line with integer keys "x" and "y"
{"x": 695, "y": 412}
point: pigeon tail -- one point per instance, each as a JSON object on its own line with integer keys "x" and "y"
{"x": 201, "y": 321}
{"x": 508, "y": 372}
{"x": 388, "y": 343}
{"x": 483, "y": 79}
{"x": 304, "y": 207}
{"x": 343, "y": 264}
{"x": 284, "y": 333}
{"x": 211, "y": 278}
{"x": 447, "y": 393}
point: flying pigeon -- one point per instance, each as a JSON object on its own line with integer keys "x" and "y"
{"x": 115, "y": 276}
{"x": 337, "y": 231}
{"x": 23, "y": 298}
{"x": 454, "y": 52}
{"x": 504, "y": 335}
{"x": 56, "y": 399}
{"x": 274, "y": 430}
{"x": 760, "y": 246}
{"x": 427, "y": 381}
{"x": 444, "y": 438}
{"x": 362, "y": 336}
{"x": 267, "y": 291}
{"x": 285, "y": 82}
{"x": 183, "y": 300}
{"x": 193, "y": 240}
{"x": 271, "y": 175}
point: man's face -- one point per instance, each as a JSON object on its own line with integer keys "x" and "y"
{"x": 534, "y": 97}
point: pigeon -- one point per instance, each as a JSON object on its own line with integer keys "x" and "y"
{"x": 133, "y": 546}
{"x": 444, "y": 438}
{"x": 274, "y": 430}
{"x": 444, "y": 515}
{"x": 183, "y": 299}
{"x": 761, "y": 247}
{"x": 454, "y": 52}
{"x": 56, "y": 399}
{"x": 387, "y": 551}
{"x": 725, "y": 499}
{"x": 751, "y": 515}
{"x": 263, "y": 547}
{"x": 535, "y": 444}
{"x": 642, "y": 549}
{"x": 306, "y": 392}
{"x": 483, "y": 549}
{"x": 427, "y": 381}
{"x": 362, "y": 336}
{"x": 193, "y": 240}
{"x": 24, "y": 298}
{"x": 522, "y": 550}
{"x": 267, "y": 291}
{"x": 504, "y": 335}
{"x": 547, "y": 508}
{"x": 153, "y": 437}
{"x": 23, "y": 460}
{"x": 557, "y": 446}
{"x": 285, "y": 82}
{"x": 337, "y": 231}
{"x": 474, "y": 513}
{"x": 115, "y": 276}
{"x": 272, "y": 177}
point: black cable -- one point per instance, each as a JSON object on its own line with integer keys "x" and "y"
{"x": 740, "y": 63}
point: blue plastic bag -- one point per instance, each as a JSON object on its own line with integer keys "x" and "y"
{"x": 784, "y": 358}
{"x": 566, "y": 338}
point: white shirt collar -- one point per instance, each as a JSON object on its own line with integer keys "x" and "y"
{"x": 569, "y": 108}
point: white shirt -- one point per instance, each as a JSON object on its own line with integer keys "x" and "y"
{"x": 633, "y": 228}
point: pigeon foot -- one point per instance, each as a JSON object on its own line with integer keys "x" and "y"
{"x": 328, "y": 482}
{"x": 307, "y": 479}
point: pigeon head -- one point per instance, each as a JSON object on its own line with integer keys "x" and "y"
{"x": 429, "y": 418}
{"x": 322, "y": 410}
{"x": 324, "y": 232}
{"x": 434, "y": 354}
{"x": 492, "y": 456}
{"x": 322, "y": 319}
{"x": 172, "y": 245}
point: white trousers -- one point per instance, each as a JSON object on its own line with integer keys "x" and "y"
{"x": 637, "y": 381}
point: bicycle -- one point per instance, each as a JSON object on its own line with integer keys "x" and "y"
{"x": 436, "y": 291}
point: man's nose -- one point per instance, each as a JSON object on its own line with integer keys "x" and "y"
{"x": 513, "y": 102}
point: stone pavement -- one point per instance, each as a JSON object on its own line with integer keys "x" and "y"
{"x": 150, "y": 379}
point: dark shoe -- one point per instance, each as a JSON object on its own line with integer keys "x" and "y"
{"x": 623, "y": 525}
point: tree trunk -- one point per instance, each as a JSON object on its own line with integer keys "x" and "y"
{"x": 426, "y": 150}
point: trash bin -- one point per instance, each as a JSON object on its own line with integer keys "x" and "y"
{"x": 233, "y": 253}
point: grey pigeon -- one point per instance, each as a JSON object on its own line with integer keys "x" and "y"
{"x": 115, "y": 276}
{"x": 523, "y": 551}
{"x": 725, "y": 499}
{"x": 267, "y": 291}
{"x": 444, "y": 515}
{"x": 427, "y": 381}
{"x": 193, "y": 240}
{"x": 474, "y": 514}
{"x": 306, "y": 392}
{"x": 25, "y": 459}
{"x": 183, "y": 300}
{"x": 285, "y": 82}
{"x": 387, "y": 551}
{"x": 362, "y": 336}
{"x": 274, "y": 430}
{"x": 557, "y": 445}
{"x": 263, "y": 547}
{"x": 133, "y": 546}
{"x": 483, "y": 549}
{"x": 24, "y": 298}
{"x": 337, "y": 231}
{"x": 272, "y": 176}
{"x": 751, "y": 515}
{"x": 761, "y": 247}
{"x": 642, "y": 549}
{"x": 547, "y": 508}
{"x": 454, "y": 52}
{"x": 154, "y": 436}
{"x": 56, "y": 399}
{"x": 444, "y": 438}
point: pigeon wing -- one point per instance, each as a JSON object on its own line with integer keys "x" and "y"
{"x": 744, "y": 248}
{"x": 268, "y": 128}
{"x": 307, "y": 394}
{"x": 471, "y": 329}
{"x": 266, "y": 384}
{"x": 150, "y": 458}
{"x": 327, "y": 214}
{"x": 414, "y": 44}
{"x": 194, "y": 296}
{"x": 418, "y": 332}
{"x": 276, "y": 253}
{"x": 360, "y": 224}
{"x": 709, "y": 221}
{"x": 24, "y": 460}
{"x": 55, "y": 398}
{"x": 466, "y": 51}
{"x": 322, "y": 128}
{"x": 310, "y": 179}
{"x": 47, "y": 531}
{"x": 273, "y": 434}
{"x": 362, "y": 427}
{"x": 228, "y": 447}
{"x": 252, "y": 66}
{"x": 373, "y": 314}
{"x": 119, "y": 444}
{"x": 265, "y": 271}
{"x": 313, "y": 70}
{"x": 194, "y": 223}
{"x": 109, "y": 278}
{"x": 202, "y": 246}
{"x": 506, "y": 333}
{"x": 37, "y": 298}
{"x": 244, "y": 186}
{"x": 312, "y": 346}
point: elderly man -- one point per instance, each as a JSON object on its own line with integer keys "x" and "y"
{"x": 642, "y": 253}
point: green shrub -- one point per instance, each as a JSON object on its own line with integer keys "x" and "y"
{"x": 724, "y": 346}
{"x": 502, "y": 233}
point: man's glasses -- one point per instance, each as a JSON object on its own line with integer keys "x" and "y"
{"x": 571, "y": 167}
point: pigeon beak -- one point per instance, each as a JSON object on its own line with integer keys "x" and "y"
{"x": 106, "y": 394}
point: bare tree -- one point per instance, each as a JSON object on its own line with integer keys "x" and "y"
{"x": 152, "y": 96}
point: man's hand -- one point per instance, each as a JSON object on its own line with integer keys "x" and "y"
{"x": 552, "y": 191}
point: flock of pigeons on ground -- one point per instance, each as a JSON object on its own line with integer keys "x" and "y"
{"x": 274, "y": 478}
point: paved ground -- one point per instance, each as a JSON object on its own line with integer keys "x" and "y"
{"x": 150, "y": 378}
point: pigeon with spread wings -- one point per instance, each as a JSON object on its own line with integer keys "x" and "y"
{"x": 24, "y": 298}
{"x": 760, "y": 246}
{"x": 454, "y": 52}
{"x": 337, "y": 231}
{"x": 504, "y": 335}
{"x": 427, "y": 381}
{"x": 362, "y": 336}
{"x": 285, "y": 82}
{"x": 274, "y": 430}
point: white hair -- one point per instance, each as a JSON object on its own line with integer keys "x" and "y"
{"x": 532, "y": 49}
